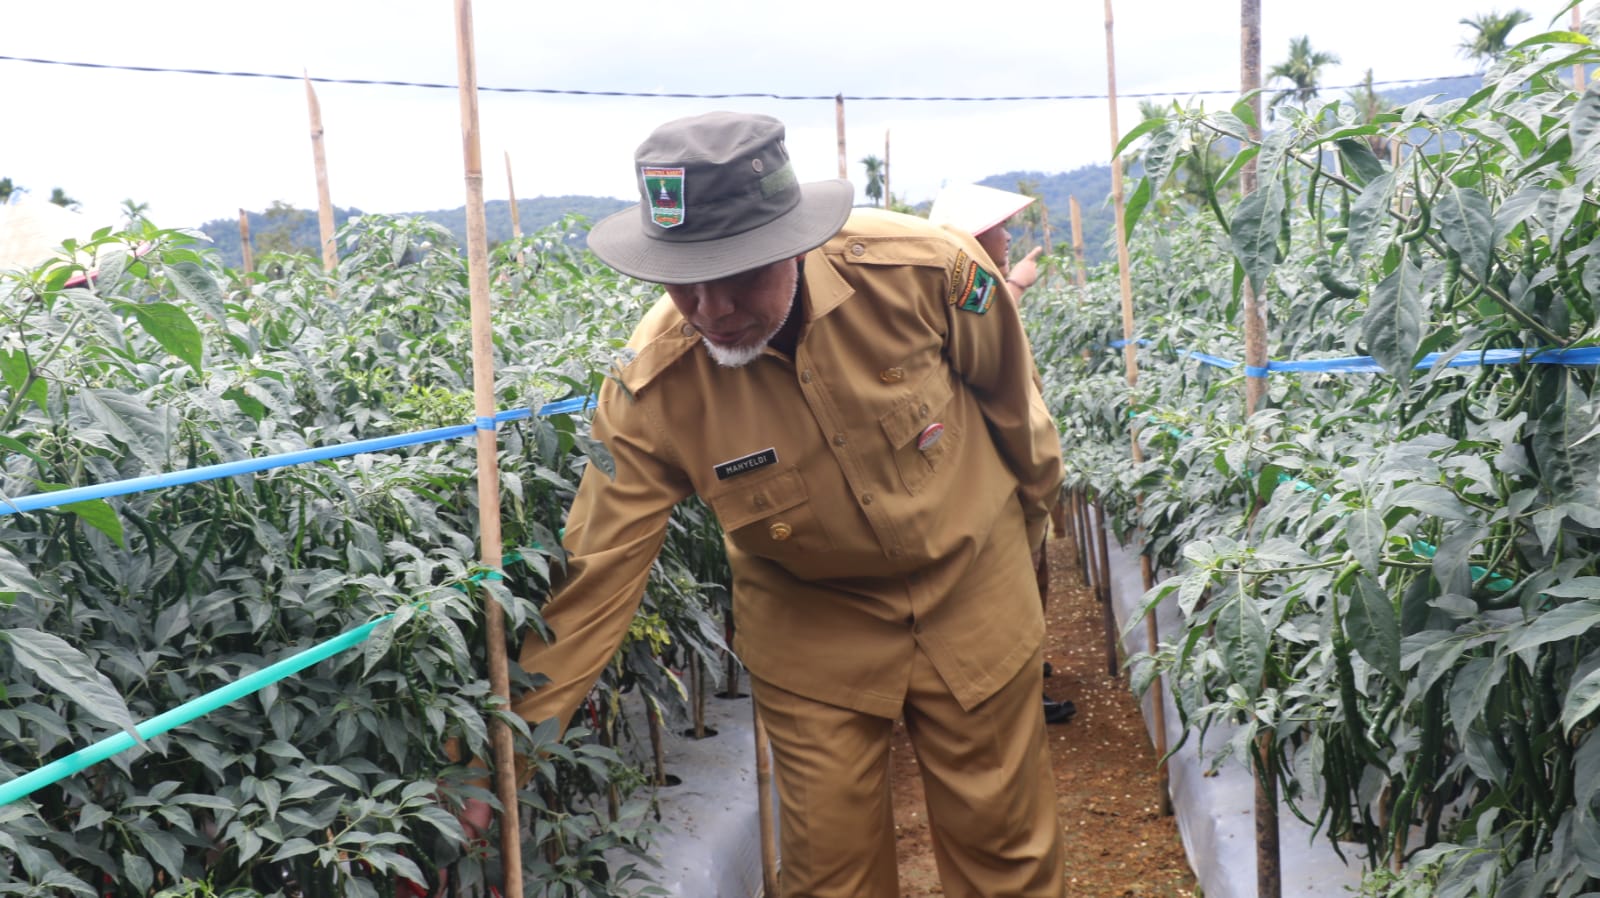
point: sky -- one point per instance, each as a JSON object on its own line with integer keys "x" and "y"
{"x": 195, "y": 148}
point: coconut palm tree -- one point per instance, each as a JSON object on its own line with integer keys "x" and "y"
{"x": 1491, "y": 33}
{"x": 874, "y": 189}
{"x": 60, "y": 198}
{"x": 1303, "y": 70}
{"x": 6, "y": 190}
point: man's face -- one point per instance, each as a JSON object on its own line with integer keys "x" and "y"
{"x": 737, "y": 315}
{"x": 997, "y": 243}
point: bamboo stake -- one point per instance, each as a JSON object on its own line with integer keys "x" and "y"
{"x": 1086, "y": 557}
{"x": 730, "y": 686}
{"x": 1577, "y": 70}
{"x": 888, "y": 197}
{"x": 246, "y": 251}
{"x": 1107, "y": 613}
{"x": 838, "y": 111}
{"x": 330, "y": 252}
{"x": 697, "y": 685}
{"x": 1269, "y": 878}
{"x": 658, "y": 751}
{"x": 1130, "y": 360}
{"x": 488, "y": 445}
{"x": 1085, "y": 547}
{"x": 769, "y": 837}
{"x": 511, "y": 190}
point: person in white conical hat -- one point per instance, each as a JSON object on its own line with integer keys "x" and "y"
{"x": 983, "y": 212}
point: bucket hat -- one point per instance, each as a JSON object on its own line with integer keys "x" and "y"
{"x": 974, "y": 208}
{"x": 718, "y": 196}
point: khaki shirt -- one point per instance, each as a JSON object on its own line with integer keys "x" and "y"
{"x": 850, "y": 544}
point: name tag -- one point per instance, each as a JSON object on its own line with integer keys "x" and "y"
{"x": 746, "y": 464}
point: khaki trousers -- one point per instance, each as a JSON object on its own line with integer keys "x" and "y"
{"x": 986, "y": 774}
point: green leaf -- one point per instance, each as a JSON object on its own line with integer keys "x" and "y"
{"x": 1367, "y": 211}
{"x": 164, "y": 847}
{"x": 172, "y": 328}
{"x": 1361, "y": 165}
{"x": 1139, "y": 130}
{"x": 1392, "y": 325}
{"x": 1374, "y": 630}
{"x": 1365, "y": 533}
{"x": 1467, "y": 225}
{"x": 198, "y": 286}
{"x": 99, "y": 514}
{"x": 1582, "y": 698}
{"x": 1552, "y": 37}
{"x": 1135, "y": 208}
{"x": 1431, "y": 500}
{"x": 1254, "y": 232}
{"x": 1584, "y": 124}
{"x": 1569, "y": 466}
{"x": 110, "y": 261}
{"x": 1559, "y": 623}
{"x": 1242, "y": 639}
{"x": 138, "y": 871}
{"x": 70, "y": 672}
{"x": 15, "y": 370}
{"x": 597, "y": 453}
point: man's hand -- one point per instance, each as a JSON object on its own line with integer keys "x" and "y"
{"x": 1025, "y": 273}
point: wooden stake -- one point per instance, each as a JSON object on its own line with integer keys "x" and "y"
{"x": 1269, "y": 879}
{"x": 838, "y": 111}
{"x": 697, "y": 693}
{"x": 769, "y": 836}
{"x": 1130, "y": 359}
{"x": 1079, "y": 276}
{"x": 330, "y": 251}
{"x": 1108, "y": 614}
{"x": 246, "y": 251}
{"x": 488, "y": 446}
{"x": 888, "y": 198}
{"x": 658, "y": 751}
{"x": 511, "y": 190}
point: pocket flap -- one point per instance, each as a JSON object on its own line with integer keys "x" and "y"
{"x": 744, "y": 503}
{"x": 910, "y": 417}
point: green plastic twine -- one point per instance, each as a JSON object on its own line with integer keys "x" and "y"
{"x": 205, "y": 704}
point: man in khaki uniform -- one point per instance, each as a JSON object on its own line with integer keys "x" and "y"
{"x": 855, "y": 401}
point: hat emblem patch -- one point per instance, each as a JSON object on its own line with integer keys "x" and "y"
{"x": 664, "y": 189}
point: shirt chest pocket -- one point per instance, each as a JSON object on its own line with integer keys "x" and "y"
{"x": 770, "y": 516}
{"x": 922, "y": 430}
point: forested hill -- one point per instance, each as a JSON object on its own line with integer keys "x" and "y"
{"x": 283, "y": 227}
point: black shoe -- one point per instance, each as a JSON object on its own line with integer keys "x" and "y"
{"x": 1058, "y": 712}
{"x": 1048, "y": 670}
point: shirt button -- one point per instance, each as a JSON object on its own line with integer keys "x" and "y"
{"x": 761, "y": 501}
{"x": 687, "y": 330}
{"x": 858, "y": 249}
{"x": 892, "y": 375}
{"x": 780, "y": 531}
{"x": 923, "y": 411}
{"x": 805, "y": 376}
{"x": 866, "y": 498}
{"x": 839, "y": 440}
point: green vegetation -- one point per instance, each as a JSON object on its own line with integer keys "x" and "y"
{"x": 1392, "y": 579}
{"x": 115, "y": 610}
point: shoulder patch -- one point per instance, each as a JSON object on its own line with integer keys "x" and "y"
{"x": 972, "y": 288}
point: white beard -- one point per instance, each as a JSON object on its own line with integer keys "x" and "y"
{"x": 740, "y": 356}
